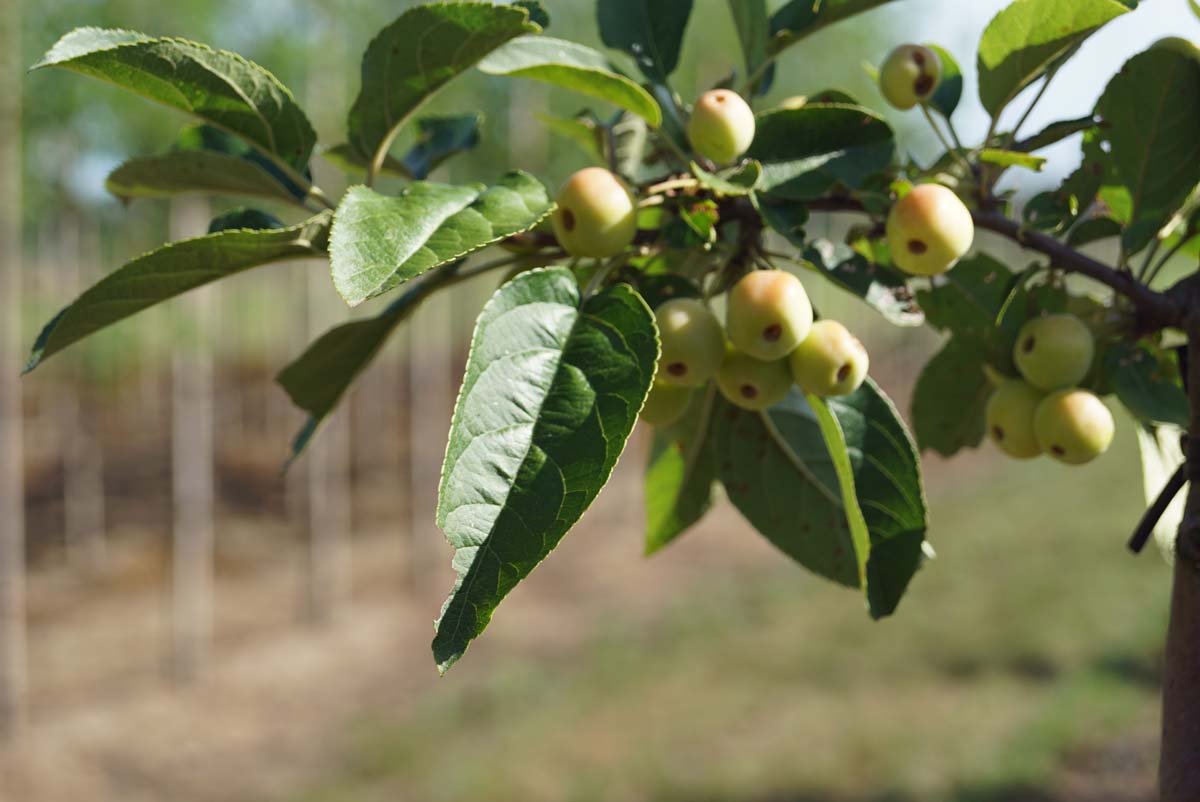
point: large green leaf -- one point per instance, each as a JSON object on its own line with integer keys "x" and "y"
{"x": 552, "y": 389}
{"x": 949, "y": 399}
{"x": 571, "y": 66}
{"x": 1028, "y": 37}
{"x": 649, "y": 30}
{"x": 418, "y": 54}
{"x": 1150, "y": 113}
{"x": 193, "y": 171}
{"x": 805, "y": 152}
{"x": 1147, "y": 386}
{"x": 219, "y": 87}
{"x": 967, "y": 301}
{"x": 888, "y": 488}
{"x": 379, "y": 241}
{"x": 173, "y": 270}
{"x": 799, "y": 18}
{"x": 681, "y": 471}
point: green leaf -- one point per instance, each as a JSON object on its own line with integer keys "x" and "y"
{"x": 949, "y": 400}
{"x": 1028, "y": 37}
{"x": 173, "y": 270}
{"x": 582, "y": 130}
{"x": 1092, "y": 230}
{"x": 318, "y": 378}
{"x": 346, "y": 158}
{"x": 1161, "y": 455}
{"x": 552, "y": 389}
{"x": 966, "y": 302}
{"x": 1149, "y": 108}
{"x": 753, "y": 26}
{"x": 217, "y": 86}
{"x": 882, "y": 287}
{"x": 1012, "y": 158}
{"x": 800, "y": 18}
{"x": 244, "y": 218}
{"x": 379, "y": 242}
{"x": 1056, "y": 132}
{"x": 193, "y": 171}
{"x": 537, "y": 12}
{"x": 740, "y": 180}
{"x": 1147, "y": 387}
{"x": 414, "y": 57}
{"x": 651, "y": 31}
{"x": 571, "y": 66}
{"x": 681, "y": 472}
{"x": 889, "y": 491}
{"x": 949, "y": 90}
{"x": 805, "y": 152}
{"x": 439, "y": 138}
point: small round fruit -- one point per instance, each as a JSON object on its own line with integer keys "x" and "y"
{"x": 751, "y": 383}
{"x": 1009, "y": 416}
{"x": 693, "y": 344}
{"x": 768, "y": 314}
{"x": 1054, "y": 352}
{"x": 830, "y": 360}
{"x": 929, "y": 230}
{"x": 909, "y": 75}
{"x": 665, "y": 404}
{"x": 1073, "y": 426}
{"x": 721, "y": 127}
{"x": 596, "y": 215}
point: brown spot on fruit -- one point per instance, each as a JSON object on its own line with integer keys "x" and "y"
{"x": 568, "y": 219}
{"x": 1028, "y": 344}
{"x": 772, "y": 333}
{"x": 917, "y": 246}
{"x": 1058, "y": 451}
{"x": 677, "y": 369}
{"x": 923, "y": 85}
{"x": 918, "y": 58}
{"x": 748, "y": 391}
{"x": 844, "y": 372}
{"x": 998, "y": 432}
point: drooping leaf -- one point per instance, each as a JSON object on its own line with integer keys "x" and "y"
{"x": 217, "y": 86}
{"x": 171, "y": 271}
{"x": 740, "y": 180}
{"x": 753, "y": 26}
{"x": 797, "y": 19}
{"x": 1029, "y": 36}
{"x": 1161, "y": 455}
{"x": 1092, "y": 230}
{"x": 193, "y": 171}
{"x": 379, "y": 242}
{"x": 879, "y": 473}
{"x": 651, "y": 31}
{"x": 966, "y": 302}
{"x": 318, "y": 378}
{"x": 681, "y": 471}
{"x": 805, "y": 152}
{"x": 1149, "y": 110}
{"x": 883, "y": 287}
{"x": 552, "y": 389}
{"x": 949, "y": 89}
{"x": 1147, "y": 386}
{"x": 571, "y": 66}
{"x": 1055, "y": 132}
{"x": 411, "y": 59}
{"x": 949, "y": 399}
{"x": 439, "y": 138}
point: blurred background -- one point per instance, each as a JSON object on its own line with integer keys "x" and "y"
{"x": 189, "y": 623}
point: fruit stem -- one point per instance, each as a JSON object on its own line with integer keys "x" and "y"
{"x": 953, "y": 151}
{"x": 670, "y": 184}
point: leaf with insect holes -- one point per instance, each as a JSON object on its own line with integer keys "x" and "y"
{"x": 217, "y": 86}
{"x": 571, "y": 66}
{"x": 681, "y": 471}
{"x": 651, "y": 31}
{"x": 553, "y": 385}
{"x": 413, "y": 58}
{"x": 171, "y": 271}
{"x": 805, "y": 152}
{"x": 1027, "y": 37}
{"x": 379, "y": 242}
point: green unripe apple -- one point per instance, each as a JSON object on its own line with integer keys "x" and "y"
{"x": 1054, "y": 352}
{"x": 596, "y": 215}
{"x": 909, "y": 76}
{"x": 929, "y": 230}
{"x": 768, "y": 314}
{"x": 751, "y": 383}
{"x": 721, "y": 126}
{"x": 665, "y": 404}
{"x": 829, "y": 361}
{"x": 1009, "y": 415}
{"x": 1073, "y": 426}
{"x": 693, "y": 343}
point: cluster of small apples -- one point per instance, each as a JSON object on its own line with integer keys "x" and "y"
{"x": 769, "y": 342}
{"x": 1045, "y": 411}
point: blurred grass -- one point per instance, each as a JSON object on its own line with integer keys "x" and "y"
{"x": 1032, "y": 636}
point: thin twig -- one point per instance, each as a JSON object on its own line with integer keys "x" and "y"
{"x": 1012, "y": 136}
{"x": 1154, "y": 513}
